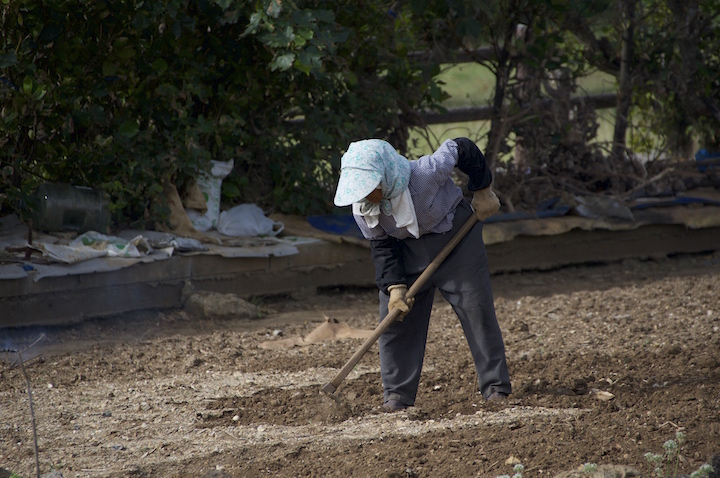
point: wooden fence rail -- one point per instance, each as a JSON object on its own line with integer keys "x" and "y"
{"x": 483, "y": 113}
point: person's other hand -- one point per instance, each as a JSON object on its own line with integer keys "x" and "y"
{"x": 397, "y": 300}
{"x": 485, "y": 203}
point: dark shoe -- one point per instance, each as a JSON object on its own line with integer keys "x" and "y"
{"x": 497, "y": 396}
{"x": 394, "y": 406}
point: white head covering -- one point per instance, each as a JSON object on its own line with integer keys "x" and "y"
{"x": 368, "y": 164}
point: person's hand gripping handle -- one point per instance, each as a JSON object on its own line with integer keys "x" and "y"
{"x": 398, "y": 300}
{"x": 485, "y": 203}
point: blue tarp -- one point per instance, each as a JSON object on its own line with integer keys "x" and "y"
{"x": 344, "y": 224}
{"x": 706, "y": 159}
{"x": 644, "y": 203}
{"x": 341, "y": 224}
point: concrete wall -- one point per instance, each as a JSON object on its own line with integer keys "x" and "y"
{"x": 158, "y": 285}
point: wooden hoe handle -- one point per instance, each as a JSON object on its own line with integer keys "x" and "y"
{"x": 393, "y": 314}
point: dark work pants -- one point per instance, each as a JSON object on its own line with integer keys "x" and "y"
{"x": 463, "y": 279}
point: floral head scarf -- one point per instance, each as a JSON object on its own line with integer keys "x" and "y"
{"x": 367, "y": 164}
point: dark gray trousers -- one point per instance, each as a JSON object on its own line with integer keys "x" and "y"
{"x": 463, "y": 279}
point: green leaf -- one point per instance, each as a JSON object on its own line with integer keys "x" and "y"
{"x": 27, "y": 85}
{"x": 351, "y": 77}
{"x": 282, "y": 62}
{"x": 231, "y": 17}
{"x": 99, "y": 91}
{"x": 304, "y": 67}
{"x": 8, "y": 59}
{"x": 129, "y": 128}
{"x": 49, "y": 33}
{"x": 141, "y": 21}
{"x": 274, "y": 9}
{"x": 109, "y": 69}
{"x": 230, "y": 190}
{"x": 253, "y": 25}
{"x": 10, "y": 117}
{"x": 160, "y": 65}
{"x": 305, "y": 33}
{"x": 303, "y": 18}
{"x": 39, "y": 92}
{"x": 224, "y": 4}
{"x": 341, "y": 36}
{"x": 126, "y": 53}
{"x": 327, "y": 16}
{"x": 307, "y": 60}
{"x": 282, "y": 37}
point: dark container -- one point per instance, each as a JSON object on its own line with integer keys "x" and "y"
{"x": 63, "y": 207}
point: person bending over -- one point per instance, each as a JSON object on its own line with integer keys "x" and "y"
{"x": 409, "y": 210}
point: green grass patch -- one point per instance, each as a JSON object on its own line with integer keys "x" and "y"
{"x": 472, "y": 84}
{"x": 468, "y": 84}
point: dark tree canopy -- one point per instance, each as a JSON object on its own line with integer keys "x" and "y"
{"x": 129, "y": 97}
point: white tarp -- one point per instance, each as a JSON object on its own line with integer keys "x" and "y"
{"x": 54, "y": 256}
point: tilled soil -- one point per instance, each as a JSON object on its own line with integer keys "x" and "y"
{"x": 608, "y": 362}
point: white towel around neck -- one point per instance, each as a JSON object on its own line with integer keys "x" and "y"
{"x": 403, "y": 211}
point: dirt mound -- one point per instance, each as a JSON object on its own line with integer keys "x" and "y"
{"x": 607, "y": 363}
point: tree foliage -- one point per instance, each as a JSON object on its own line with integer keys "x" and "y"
{"x": 130, "y": 96}
{"x": 663, "y": 54}
{"x": 677, "y": 75}
{"x": 127, "y": 96}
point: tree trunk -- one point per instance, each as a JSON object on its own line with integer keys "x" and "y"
{"x": 498, "y": 126}
{"x": 498, "y": 122}
{"x": 624, "y": 100}
{"x": 526, "y": 90}
{"x": 685, "y": 15}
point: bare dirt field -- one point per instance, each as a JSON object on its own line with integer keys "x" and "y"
{"x": 608, "y": 362}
